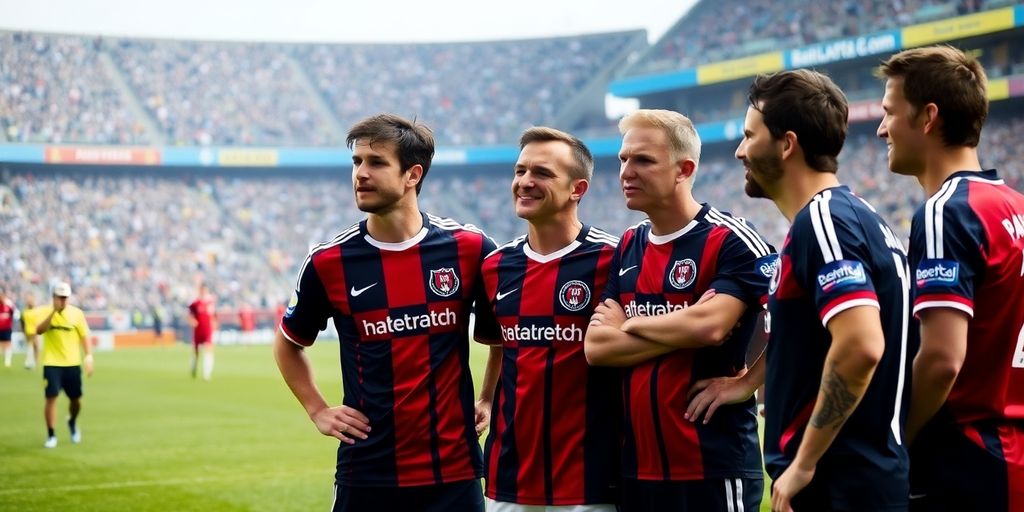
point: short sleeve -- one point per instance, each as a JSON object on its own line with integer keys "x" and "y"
{"x": 744, "y": 267}
{"x": 309, "y": 307}
{"x": 945, "y": 257}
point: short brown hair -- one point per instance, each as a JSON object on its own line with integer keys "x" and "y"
{"x": 682, "y": 135}
{"x": 808, "y": 104}
{"x": 413, "y": 140}
{"x": 954, "y": 81}
{"x": 583, "y": 160}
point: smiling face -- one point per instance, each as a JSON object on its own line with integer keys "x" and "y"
{"x": 542, "y": 186}
{"x": 902, "y": 129}
{"x": 377, "y": 177}
{"x": 648, "y": 170}
{"x": 760, "y": 155}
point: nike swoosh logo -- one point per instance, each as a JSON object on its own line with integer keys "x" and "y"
{"x": 917, "y": 496}
{"x": 500, "y": 295}
{"x": 622, "y": 271}
{"x": 357, "y": 292}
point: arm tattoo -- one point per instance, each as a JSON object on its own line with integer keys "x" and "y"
{"x": 837, "y": 402}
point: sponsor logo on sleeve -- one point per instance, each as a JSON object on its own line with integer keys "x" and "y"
{"x": 768, "y": 265}
{"x": 294, "y": 301}
{"x": 936, "y": 272}
{"x": 840, "y": 274}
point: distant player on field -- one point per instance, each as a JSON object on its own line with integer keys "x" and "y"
{"x": 202, "y": 317}
{"x": 966, "y": 421}
{"x": 65, "y": 337}
{"x": 554, "y": 440}
{"x": 838, "y": 349}
{"x": 400, "y": 287}
{"x": 7, "y": 313}
{"x": 655, "y": 324}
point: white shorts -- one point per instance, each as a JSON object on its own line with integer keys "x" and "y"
{"x": 504, "y": 506}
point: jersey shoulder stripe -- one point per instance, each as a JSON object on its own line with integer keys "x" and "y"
{"x": 741, "y": 229}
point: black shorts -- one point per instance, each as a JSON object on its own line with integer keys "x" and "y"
{"x": 692, "y": 495}
{"x": 68, "y": 378}
{"x": 465, "y": 496}
{"x": 844, "y": 490}
{"x": 5, "y": 335}
{"x": 977, "y": 467}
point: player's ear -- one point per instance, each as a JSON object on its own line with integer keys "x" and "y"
{"x": 931, "y": 117}
{"x": 789, "y": 142}
{"x": 413, "y": 175}
{"x": 686, "y": 168}
{"x": 579, "y": 188}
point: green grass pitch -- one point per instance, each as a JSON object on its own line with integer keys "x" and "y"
{"x": 154, "y": 439}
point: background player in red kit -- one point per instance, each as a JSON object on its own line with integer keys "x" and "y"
{"x": 202, "y": 318}
{"x": 554, "y": 439}
{"x": 966, "y": 421}
{"x": 652, "y": 324}
{"x": 400, "y": 286}
{"x": 7, "y": 313}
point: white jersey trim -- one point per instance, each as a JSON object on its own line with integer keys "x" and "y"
{"x": 397, "y": 246}
{"x": 933, "y": 210}
{"x": 741, "y": 229}
{"x": 928, "y": 304}
{"x": 848, "y": 305}
{"x": 664, "y": 239}
{"x": 824, "y": 228}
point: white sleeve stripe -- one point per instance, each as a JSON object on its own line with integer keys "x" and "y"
{"x": 848, "y": 305}
{"x": 598, "y": 237}
{"x": 819, "y": 232}
{"x": 933, "y": 218}
{"x": 741, "y": 229}
{"x": 943, "y": 304}
{"x": 830, "y": 227}
{"x": 754, "y": 241}
{"x": 338, "y": 240}
{"x": 289, "y": 338}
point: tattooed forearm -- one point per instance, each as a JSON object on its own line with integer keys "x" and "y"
{"x": 837, "y": 401}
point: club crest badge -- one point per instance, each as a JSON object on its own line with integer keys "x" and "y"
{"x": 444, "y": 282}
{"x": 574, "y": 295}
{"x": 683, "y": 274}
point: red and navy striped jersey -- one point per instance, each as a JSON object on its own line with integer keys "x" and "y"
{"x": 402, "y": 314}
{"x": 967, "y": 251}
{"x": 653, "y": 275}
{"x": 554, "y": 433}
{"x": 839, "y": 254}
{"x": 7, "y": 311}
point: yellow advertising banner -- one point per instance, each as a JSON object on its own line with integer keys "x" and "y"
{"x": 740, "y": 68}
{"x": 247, "y": 157}
{"x": 958, "y": 28}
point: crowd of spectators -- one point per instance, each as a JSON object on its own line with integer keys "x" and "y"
{"x": 130, "y": 241}
{"x": 515, "y": 84}
{"x": 728, "y": 29}
{"x": 55, "y": 89}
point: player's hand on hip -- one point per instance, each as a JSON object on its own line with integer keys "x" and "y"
{"x": 792, "y": 481}
{"x": 343, "y": 423}
{"x": 707, "y": 395}
{"x": 482, "y": 416}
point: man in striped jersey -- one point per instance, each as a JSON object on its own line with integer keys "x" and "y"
{"x": 966, "y": 417}
{"x": 554, "y": 437}
{"x": 655, "y": 324}
{"x": 838, "y": 348}
{"x": 400, "y": 286}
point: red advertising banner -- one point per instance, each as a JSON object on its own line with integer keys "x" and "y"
{"x": 867, "y": 110}
{"x": 105, "y": 155}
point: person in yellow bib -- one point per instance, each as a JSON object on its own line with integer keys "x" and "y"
{"x": 30, "y": 319}
{"x": 65, "y": 336}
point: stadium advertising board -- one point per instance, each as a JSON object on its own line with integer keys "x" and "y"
{"x": 647, "y": 84}
{"x": 101, "y": 155}
{"x": 247, "y": 157}
{"x": 843, "y": 49}
{"x": 740, "y": 68}
{"x": 959, "y": 27}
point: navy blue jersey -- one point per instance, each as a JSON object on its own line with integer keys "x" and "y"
{"x": 554, "y": 433}
{"x": 654, "y": 275}
{"x": 839, "y": 254}
{"x": 402, "y": 315}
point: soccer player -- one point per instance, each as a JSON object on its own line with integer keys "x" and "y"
{"x": 554, "y": 438}
{"x": 400, "y": 286}
{"x": 966, "y": 421}
{"x": 654, "y": 322}
{"x": 7, "y": 313}
{"x": 65, "y": 337}
{"x": 202, "y": 318}
{"x": 29, "y": 321}
{"x": 838, "y": 312}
